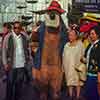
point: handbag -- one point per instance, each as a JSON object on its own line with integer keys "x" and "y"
{"x": 82, "y": 71}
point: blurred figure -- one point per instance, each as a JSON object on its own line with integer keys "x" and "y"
{"x": 84, "y": 30}
{"x": 6, "y": 29}
{"x": 34, "y": 39}
{"x": 73, "y": 51}
{"x": 24, "y": 32}
{"x": 85, "y": 39}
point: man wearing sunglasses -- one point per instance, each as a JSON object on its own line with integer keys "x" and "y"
{"x": 15, "y": 57}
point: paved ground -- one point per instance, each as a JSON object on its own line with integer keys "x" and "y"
{"x": 29, "y": 93}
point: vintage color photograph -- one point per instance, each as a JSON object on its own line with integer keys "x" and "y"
{"x": 49, "y": 49}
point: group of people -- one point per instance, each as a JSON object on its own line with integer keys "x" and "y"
{"x": 48, "y": 55}
{"x": 81, "y": 64}
{"x": 17, "y": 62}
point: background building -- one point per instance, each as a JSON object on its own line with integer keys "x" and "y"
{"x": 11, "y": 10}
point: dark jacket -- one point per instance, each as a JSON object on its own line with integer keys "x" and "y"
{"x": 8, "y": 49}
{"x": 94, "y": 58}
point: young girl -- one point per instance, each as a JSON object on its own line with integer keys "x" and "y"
{"x": 73, "y": 51}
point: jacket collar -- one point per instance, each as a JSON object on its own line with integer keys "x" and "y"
{"x": 16, "y": 36}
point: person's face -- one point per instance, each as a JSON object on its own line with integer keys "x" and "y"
{"x": 72, "y": 36}
{"x": 52, "y": 19}
{"x": 93, "y": 36}
{"x": 5, "y": 30}
{"x": 17, "y": 28}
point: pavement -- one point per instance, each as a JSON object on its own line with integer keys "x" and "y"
{"x": 29, "y": 93}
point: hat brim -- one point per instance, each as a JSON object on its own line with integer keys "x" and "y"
{"x": 86, "y": 27}
{"x": 90, "y": 18}
{"x": 57, "y": 9}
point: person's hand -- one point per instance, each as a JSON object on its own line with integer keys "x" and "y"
{"x": 6, "y": 67}
{"x": 35, "y": 29}
{"x": 83, "y": 60}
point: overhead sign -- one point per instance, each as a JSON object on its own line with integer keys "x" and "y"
{"x": 87, "y": 5}
{"x": 91, "y": 8}
{"x": 86, "y": 1}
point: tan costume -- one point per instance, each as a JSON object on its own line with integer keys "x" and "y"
{"x": 51, "y": 61}
{"x": 50, "y": 72}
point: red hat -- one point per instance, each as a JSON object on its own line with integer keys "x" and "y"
{"x": 86, "y": 27}
{"x": 56, "y": 6}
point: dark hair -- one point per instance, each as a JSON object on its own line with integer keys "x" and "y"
{"x": 7, "y": 25}
{"x": 96, "y": 29}
{"x": 76, "y": 31}
{"x": 18, "y": 22}
{"x": 39, "y": 23}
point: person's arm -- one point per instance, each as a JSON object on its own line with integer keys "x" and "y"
{"x": 4, "y": 53}
{"x": 98, "y": 61}
{"x": 63, "y": 59}
{"x": 98, "y": 65}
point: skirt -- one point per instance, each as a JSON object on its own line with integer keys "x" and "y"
{"x": 91, "y": 91}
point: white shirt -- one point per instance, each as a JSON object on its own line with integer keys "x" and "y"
{"x": 19, "y": 58}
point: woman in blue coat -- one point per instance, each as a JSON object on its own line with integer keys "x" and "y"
{"x": 92, "y": 55}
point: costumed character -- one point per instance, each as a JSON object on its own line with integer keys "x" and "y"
{"x": 47, "y": 68}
